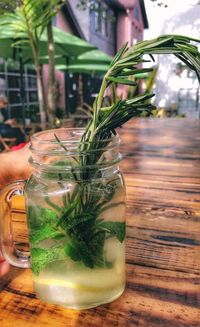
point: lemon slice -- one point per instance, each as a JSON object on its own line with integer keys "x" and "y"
{"x": 69, "y": 284}
{"x": 99, "y": 282}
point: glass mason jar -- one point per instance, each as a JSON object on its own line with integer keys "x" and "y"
{"x": 75, "y": 204}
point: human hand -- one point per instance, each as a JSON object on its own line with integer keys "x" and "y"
{"x": 12, "y": 122}
{"x": 4, "y": 266}
{"x": 14, "y": 166}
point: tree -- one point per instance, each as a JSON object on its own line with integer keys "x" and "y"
{"x": 30, "y": 19}
{"x": 51, "y": 7}
{"x": 8, "y": 5}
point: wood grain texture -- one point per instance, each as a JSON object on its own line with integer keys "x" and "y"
{"x": 161, "y": 166}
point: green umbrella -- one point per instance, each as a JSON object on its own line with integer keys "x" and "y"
{"x": 84, "y": 68}
{"x": 88, "y": 57}
{"x": 66, "y": 45}
{"x": 95, "y": 56}
{"x": 89, "y": 60}
{"x": 94, "y": 61}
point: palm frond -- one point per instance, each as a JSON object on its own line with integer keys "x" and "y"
{"x": 31, "y": 18}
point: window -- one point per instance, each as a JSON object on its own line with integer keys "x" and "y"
{"x": 97, "y": 17}
{"x": 105, "y": 22}
{"x": 136, "y": 14}
{"x": 10, "y": 85}
{"x": 102, "y": 20}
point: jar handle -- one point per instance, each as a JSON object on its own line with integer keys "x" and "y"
{"x": 13, "y": 256}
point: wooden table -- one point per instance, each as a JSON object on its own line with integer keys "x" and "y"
{"x": 162, "y": 170}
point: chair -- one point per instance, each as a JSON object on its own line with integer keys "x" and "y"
{"x": 6, "y": 143}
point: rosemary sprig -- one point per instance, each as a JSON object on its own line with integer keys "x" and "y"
{"x": 124, "y": 65}
{"x": 80, "y": 222}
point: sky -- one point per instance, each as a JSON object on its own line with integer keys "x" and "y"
{"x": 156, "y": 15}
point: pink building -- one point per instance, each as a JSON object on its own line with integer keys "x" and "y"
{"x": 111, "y": 23}
{"x": 132, "y": 22}
{"x": 109, "y": 26}
{"x": 63, "y": 22}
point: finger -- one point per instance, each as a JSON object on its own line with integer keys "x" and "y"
{"x": 4, "y": 268}
{"x": 1, "y": 257}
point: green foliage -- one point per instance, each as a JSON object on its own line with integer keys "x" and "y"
{"x": 121, "y": 80}
{"x": 102, "y": 125}
{"x": 114, "y": 228}
{"x": 26, "y": 24}
{"x": 79, "y": 218}
{"x": 8, "y": 5}
{"x": 43, "y": 225}
{"x": 125, "y": 64}
{"x": 30, "y": 20}
{"x": 47, "y": 232}
{"x": 76, "y": 231}
{"x": 40, "y": 258}
{"x": 40, "y": 217}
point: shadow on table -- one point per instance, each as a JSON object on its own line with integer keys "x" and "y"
{"x": 12, "y": 274}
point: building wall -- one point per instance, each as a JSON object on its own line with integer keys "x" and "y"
{"x": 83, "y": 18}
{"x": 137, "y": 23}
{"x": 130, "y": 24}
{"x": 86, "y": 20}
{"x": 62, "y": 23}
{"x": 103, "y": 29}
{"x": 128, "y": 3}
{"x": 123, "y": 30}
{"x": 126, "y": 25}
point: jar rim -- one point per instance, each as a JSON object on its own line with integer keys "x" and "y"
{"x": 76, "y": 131}
{"x": 48, "y": 150}
{"x": 46, "y": 142}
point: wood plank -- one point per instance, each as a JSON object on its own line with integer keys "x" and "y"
{"x": 162, "y": 171}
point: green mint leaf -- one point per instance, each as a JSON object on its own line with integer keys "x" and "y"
{"x": 78, "y": 250}
{"x": 44, "y": 233}
{"x": 40, "y": 258}
{"x": 72, "y": 251}
{"x": 113, "y": 228}
{"x": 42, "y": 224}
{"x": 96, "y": 247}
{"x": 59, "y": 236}
{"x": 38, "y": 217}
{"x": 90, "y": 253}
{"x": 85, "y": 253}
{"x": 71, "y": 222}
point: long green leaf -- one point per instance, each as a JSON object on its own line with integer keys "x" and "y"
{"x": 135, "y": 71}
{"x": 119, "y": 54}
{"x": 121, "y": 80}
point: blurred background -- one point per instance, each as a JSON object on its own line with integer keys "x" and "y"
{"x": 104, "y": 26}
